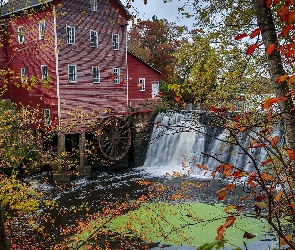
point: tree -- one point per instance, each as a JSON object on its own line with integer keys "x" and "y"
{"x": 155, "y": 41}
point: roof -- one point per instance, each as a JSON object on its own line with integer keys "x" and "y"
{"x": 14, "y": 6}
{"x": 131, "y": 53}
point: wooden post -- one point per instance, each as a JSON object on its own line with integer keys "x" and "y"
{"x": 61, "y": 147}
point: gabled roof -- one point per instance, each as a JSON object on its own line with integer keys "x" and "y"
{"x": 140, "y": 59}
{"x": 14, "y": 6}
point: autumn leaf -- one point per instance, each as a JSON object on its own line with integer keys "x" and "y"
{"x": 229, "y": 187}
{"x": 228, "y": 208}
{"x": 278, "y": 195}
{"x": 139, "y": 85}
{"x": 251, "y": 49}
{"x": 268, "y": 3}
{"x": 241, "y": 36}
{"x": 274, "y": 141}
{"x": 270, "y": 49}
{"x": 291, "y": 17}
{"x": 255, "y": 32}
{"x": 177, "y": 99}
{"x": 266, "y": 162}
{"x": 270, "y": 101}
{"x": 290, "y": 153}
{"x": 282, "y": 241}
{"x": 227, "y": 169}
{"x": 222, "y": 195}
{"x": 291, "y": 79}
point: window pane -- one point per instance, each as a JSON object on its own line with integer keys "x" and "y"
{"x": 72, "y": 73}
{"x": 93, "y": 38}
{"x": 42, "y": 29}
{"x": 96, "y": 74}
{"x": 115, "y": 41}
{"x": 116, "y": 75}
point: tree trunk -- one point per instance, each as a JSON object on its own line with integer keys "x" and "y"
{"x": 276, "y": 69}
{"x": 4, "y": 244}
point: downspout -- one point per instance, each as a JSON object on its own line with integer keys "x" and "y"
{"x": 56, "y": 67}
{"x": 127, "y": 80}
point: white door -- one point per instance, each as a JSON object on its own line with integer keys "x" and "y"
{"x": 155, "y": 89}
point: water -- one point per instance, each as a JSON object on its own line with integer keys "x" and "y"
{"x": 186, "y": 139}
{"x": 179, "y": 142}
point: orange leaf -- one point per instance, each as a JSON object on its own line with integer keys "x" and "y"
{"x": 278, "y": 195}
{"x": 275, "y": 2}
{"x": 139, "y": 85}
{"x": 282, "y": 241}
{"x": 255, "y": 32}
{"x": 274, "y": 141}
{"x": 177, "y": 99}
{"x": 270, "y": 49}
{"x": 286, "y": 29}
{"x": 251, "y": 49}
{"x": 291, "y": 79}
{"x": 229, "y": 221}
{"x": 290, "y": 153}
{"x": 241, "y": 36}
{"x": 291, "y": 17}
{"x": 229, "y": 187}
{"x": 219, "y": 167}
{"x": 270, "y": 101}
{"x": 227, "y": 169}
{"x": 258, "y": 145}
{"x": 283, "y": 10}
{"x": 222, "y": 195}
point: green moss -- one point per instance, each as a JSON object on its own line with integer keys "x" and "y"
{"x": 191, "y": 224}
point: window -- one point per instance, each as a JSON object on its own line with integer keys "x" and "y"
{"x": 115, "y": 41}
{"x": 93, "y": 38}
{"x": 142, "y": 84}
{"x": 20, "y": 34}
{"x": 47, "y": 120}
{"x": 44, "y": 72}
{"x": 96, "y": 74}
{"x": 41, "y": 29}
{"x": 72, "y": 70}
{"x": 23, "y": 75}
{"x": 116, "y": 75}
{"x": 70, "y": 35}
{"x": 93, "y": 4}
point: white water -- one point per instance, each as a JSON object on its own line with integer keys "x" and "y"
{"x": 181, "y": 138}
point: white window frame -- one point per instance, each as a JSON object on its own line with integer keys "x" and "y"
{"x": 47, "y": 120}
{"x": 42, "y": 29}
{"x": 142, "y": 83}
{"x": 115, "y": 39}
{"x": 44, "y": 72}
{"x": 116, "y": 75}
{"x": 96, "y": 74}
{"x": 74, "y": 74}
{"x": 20, "y": 34}
{"x": 23, "y": 75}
{"x": 93, "y": 4}
{"x": 70, "y": 34}
{"x": 93, "y": 38}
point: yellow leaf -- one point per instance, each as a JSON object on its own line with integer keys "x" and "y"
{"x": 282, "y": 241}
{"x": 260, "y": 204}
{"x": 278, "y": 195}
{"x": 228, "y": 208}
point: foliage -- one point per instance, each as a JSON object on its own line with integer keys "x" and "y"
{"x": 155, "y": 41}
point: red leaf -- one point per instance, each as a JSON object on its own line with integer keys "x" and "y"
{"x": 275, "y": 2}
{"x": 270, "y": 49}
{"x": 291, "y": 17}
{"x": 268, "y": 3}
{"x": 258, "y": 145}
{"x": 237, "y": 174}
{"x": 251, "y": 49}
{"x": 229, "y": 187}
{"x": 255, "y": 33}
{"x": 266, "y": 162}
{"x": 241, "y": 36}
{"x": 229, "y": 221}
{"x": 219, "y": 167}
{"x": 286, "y": 30}
{"x": 290, "y": 153}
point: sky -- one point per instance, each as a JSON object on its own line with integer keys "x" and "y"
{"x": 167, "y": 10}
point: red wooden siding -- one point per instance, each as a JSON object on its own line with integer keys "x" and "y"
{"x": 139, "y": 69}
{"x": 84, "y": 93}
{"x": 31, "y": 54}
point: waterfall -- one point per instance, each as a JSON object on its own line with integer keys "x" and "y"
{"x": 181, "y": 138}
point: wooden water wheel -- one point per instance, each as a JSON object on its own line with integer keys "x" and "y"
{"x": 114, "y": 138}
